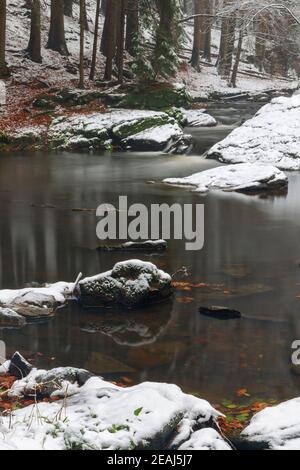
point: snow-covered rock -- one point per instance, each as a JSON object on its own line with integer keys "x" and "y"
{"x": 205, "y": 439}
{"x": 36, "y": 301}
{"x": 277, "y": 428}
{"x": 136, "y": 129}
{"x": 10, "y": 318}
{"x": 244, "y": 177}
{"x": 130, "y": 283}
{"x": 55, "y": 382}
{"x": 156, "y": 138}
{"x": 100, "y": 415}
{"x": 199, "y": 118}
{"x": 272, "y": 136}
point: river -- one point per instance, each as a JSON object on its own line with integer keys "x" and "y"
{"x": 250, "y": 262}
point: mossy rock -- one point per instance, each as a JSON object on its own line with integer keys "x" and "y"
{"x": 177, "y": 114}
{"x": 122, "y": 131}
{"x": 156, "y": 97}
{"x": 4, "y": 139}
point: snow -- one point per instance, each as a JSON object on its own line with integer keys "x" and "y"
{"x": 272, "y": 136}
{"x": 278, "y": 426}
{"x": 58, "y": 291}
{"x": 119, "y": 124}
{"x": 205, "y": 439}
{"x": 158, "y": 136}
{"x": 100, "y": 415}
{"x": 199, "y": 118}
{"x": 243, "y": 177}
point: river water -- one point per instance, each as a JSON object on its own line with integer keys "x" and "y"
{"x": 250, "y": 262}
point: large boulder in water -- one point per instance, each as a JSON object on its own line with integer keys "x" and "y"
{"x": 130, "y": 283}
{"x": 271, "y": 137}
{"x": 276, "y": 428}
{"x": 245, "y": 178}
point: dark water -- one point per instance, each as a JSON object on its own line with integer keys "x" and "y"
{"x": 250, "y": 262}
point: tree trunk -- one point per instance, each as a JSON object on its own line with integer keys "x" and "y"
{"x": 68, "y": 8}
{"x": 226, "y": 46}
{"x": 3, "y": 66}
{"x": 132, "y": 25}
{"x": 166, "y": 39}
{"x": 120, "y": 40}
{"x": 206, "y": 33}
{"x": 34, "y": 45}
{"x": 56, "y": 40}
{"x": 95, "y": 45}
{"x": 237, "y": 61}
{"x": 81, "y": 51}
{"x": 197, "y": 36}
{"x": 109, "y": 36}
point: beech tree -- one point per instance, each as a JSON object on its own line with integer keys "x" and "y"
{"x": 34, "y": 45}
{"x": 56, "y": 39}
{"x": 3, "y": 66}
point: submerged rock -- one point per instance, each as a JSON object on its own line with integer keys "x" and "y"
{"x": 129, "y": 283}
{"x": 272, "y": 136}
{"x": 149, "y": 246}
{"x": 10, "y": 318}
{"x": 244, "y": 177}
{"x": 221, "y": 313}
{"x": 103, "y": 416}
{"x": 276, "y": 428}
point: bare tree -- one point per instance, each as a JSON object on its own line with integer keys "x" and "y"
{"x": 3, "y": 66}
{"x": 56, "y": 40}
{"x": 34, "y": 45}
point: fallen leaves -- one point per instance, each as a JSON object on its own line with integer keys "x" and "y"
{"x": 239, "y": 415}
{"x": 185, "y": 300}
{"x": 242, "y": 393}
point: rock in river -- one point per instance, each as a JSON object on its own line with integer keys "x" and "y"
{"x": 271, "y": 137}
{"x": 130, "y": 283}
{"x": 221, "y": 313}
{"x": 276, "y": 428}
{"x": 149, "y": 246}
{"x": 245, "y": 178}
{"x": 10, "y": 318}
{"x": 134, "y": 129}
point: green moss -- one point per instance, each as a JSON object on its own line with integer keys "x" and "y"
{"x": 4, "y": 138}
{"x": 157, "y": 97}
{"x": 135, "y": 126}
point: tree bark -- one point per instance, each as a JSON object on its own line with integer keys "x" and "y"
{"x": 132, "y": 25}
{"x": 226, "y": 46}
{"x": 120, "y": 40}
{"x": 81, "y": 51}
{"x": 68, "y": 8}
{"x": 237, "y": 61}
{"x": 95, "y": 45}
{"x": 3, "y": 66}
{"x": 109, "y": 36}
{"x": 57, "y": 40}
{"x": 34, "y": 45}
{"x": 197, "y": 36}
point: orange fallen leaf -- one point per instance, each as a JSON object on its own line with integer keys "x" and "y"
{"x": 185, "y": 300}
{"x": 243, "y": 392}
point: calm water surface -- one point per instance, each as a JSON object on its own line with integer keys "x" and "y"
{"x": 250, "y": 262}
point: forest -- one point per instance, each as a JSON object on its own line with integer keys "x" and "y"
{"x": 149, "y": 235}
